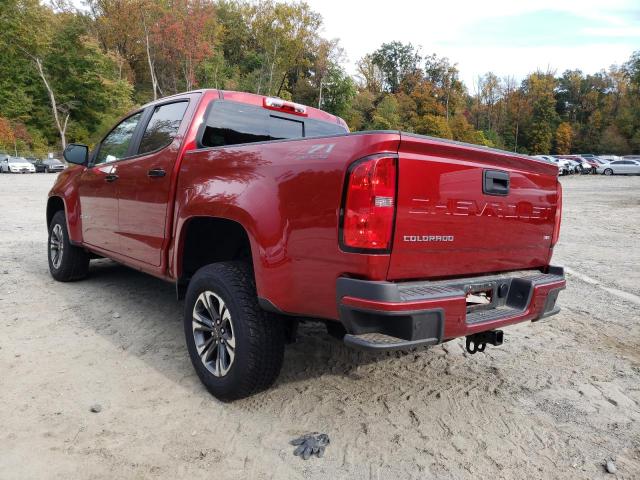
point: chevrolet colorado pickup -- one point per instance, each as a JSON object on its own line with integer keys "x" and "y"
{"x": 264, "y": 212}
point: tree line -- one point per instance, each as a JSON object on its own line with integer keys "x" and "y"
{"x": 67, "y": 74}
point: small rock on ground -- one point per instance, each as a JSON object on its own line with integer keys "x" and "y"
{"x": 610, "y": 466}
{"x": 97, "y": 408}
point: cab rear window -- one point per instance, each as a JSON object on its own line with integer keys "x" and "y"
{"x": 233, "y": 123}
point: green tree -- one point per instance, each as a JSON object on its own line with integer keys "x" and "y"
{"x": 444, "y": 79}
{"x": 540, "y": 91}
{"x": 395, "y": 60}
{"x": 385, "y": 116}
{"x": 338, "y": 92}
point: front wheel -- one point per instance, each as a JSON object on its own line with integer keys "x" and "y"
{"x": 235, "y": 347}
{"x": 66, "y": 261}
{"x": 608, "y": 171}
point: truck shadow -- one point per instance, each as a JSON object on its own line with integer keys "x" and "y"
{"x": 140, "y": 314}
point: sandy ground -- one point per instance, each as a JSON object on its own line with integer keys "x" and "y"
{"x": 555, "y": 401}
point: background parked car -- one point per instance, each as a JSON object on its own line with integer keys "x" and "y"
{"x": 36, "y": 162}
{"x": 574, "y": 165}
{"x": 586, "y": 166}
{"x": 620, "y": 167}
{"x": 631, "y": 157}
{"x": 609, "y": 158}
{"x": 16, "y": 165}
{"x": 594, "y": 164}
{"x": 53, "y": 165}
{"x": 563, "y": 166}
{"x": 600, "y": 161}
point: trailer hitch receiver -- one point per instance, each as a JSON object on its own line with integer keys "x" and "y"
{"x": 478, "y": 341}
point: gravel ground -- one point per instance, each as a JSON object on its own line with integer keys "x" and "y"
{"x": 557, "y": 400}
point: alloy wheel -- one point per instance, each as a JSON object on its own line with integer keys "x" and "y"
{"x": 56, "y": 246}
{"x": 213, "y": 333}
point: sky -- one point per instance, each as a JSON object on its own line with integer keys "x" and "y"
{"x": 507, "y": 37}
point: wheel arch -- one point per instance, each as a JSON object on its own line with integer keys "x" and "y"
{"x": 54, "y": 205}
{"x": 205, "y": 239}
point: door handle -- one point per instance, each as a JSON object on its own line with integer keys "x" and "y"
{"x": 111, "y": 177}
{"x": 495, "y": 182}
{"x": 156, "y": 172}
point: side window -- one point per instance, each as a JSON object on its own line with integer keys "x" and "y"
{"x": 163, "y": 127}
{"x": 317, "y": 128}
{"x": 116, "y": 144}
{"x": 231, "y": 123}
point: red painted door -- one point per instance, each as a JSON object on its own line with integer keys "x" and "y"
{"x": 98, "y": 207}
{"x": 144, "y": 184}
{"x": 98, "y": 187}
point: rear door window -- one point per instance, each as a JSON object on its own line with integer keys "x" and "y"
{"x": 162, "y": 127}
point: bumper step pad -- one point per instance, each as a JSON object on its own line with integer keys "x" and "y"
{"x": 380, "y": 342}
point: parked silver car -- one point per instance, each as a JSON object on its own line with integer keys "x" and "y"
{"x": 620, "y": 167}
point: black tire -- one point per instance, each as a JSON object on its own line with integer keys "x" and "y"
{"x": 608, "y": 171}
{"x": 73, "y": 263}
{"x": 258, "y": 336}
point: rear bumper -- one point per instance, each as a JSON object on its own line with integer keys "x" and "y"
{"x": 387, "y": 315}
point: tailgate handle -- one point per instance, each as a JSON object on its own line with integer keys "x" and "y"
{"x": 495, "y": 182}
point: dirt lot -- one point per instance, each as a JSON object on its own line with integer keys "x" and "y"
{"x": 555, "y": 401}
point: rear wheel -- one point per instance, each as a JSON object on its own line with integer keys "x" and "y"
{"x": 66, "y": 261}
{"x": 608, "y": 171}
{"x": 235, "y": 347}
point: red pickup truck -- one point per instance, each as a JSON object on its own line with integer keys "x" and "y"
{"x": 264, "y": 212}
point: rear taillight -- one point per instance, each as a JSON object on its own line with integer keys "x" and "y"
{"x": 369, "y": 205}
{"x": 556, "y": 226}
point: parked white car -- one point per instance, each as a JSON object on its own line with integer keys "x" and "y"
{"x": 573, "y": 165}
{"x": 16, "y": 165}
{"x": 620, "y": 167}
{"x": 564, "y": 168}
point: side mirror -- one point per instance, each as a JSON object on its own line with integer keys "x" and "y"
{"x": 76, "y": 153}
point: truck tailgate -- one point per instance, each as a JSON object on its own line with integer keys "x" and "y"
{"x": 467, "y": 210}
